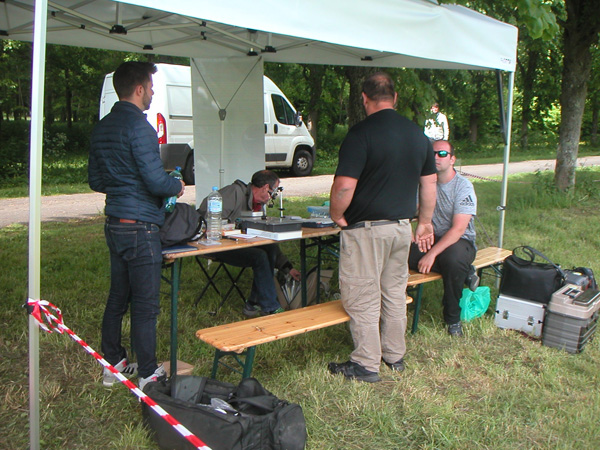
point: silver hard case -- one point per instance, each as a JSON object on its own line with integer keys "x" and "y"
{"x": 519, "y": 314}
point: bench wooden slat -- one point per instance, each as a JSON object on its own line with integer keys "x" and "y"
{"x": 485, "y": 257}
{"x": 490, "y": 256}
{"x": 237, "y": 336}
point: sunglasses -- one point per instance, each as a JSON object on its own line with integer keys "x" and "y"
{"x": 442, "y": 153}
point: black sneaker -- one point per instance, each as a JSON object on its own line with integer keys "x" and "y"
{"x": 251, "y": 310}
{"x": 455, "y": 330}
{"x": 398, "y": 366}
{"x": 472, "y": 280}
{"x": 353, "y": 371}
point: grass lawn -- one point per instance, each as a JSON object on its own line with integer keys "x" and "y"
{"x": 494, "y": 389}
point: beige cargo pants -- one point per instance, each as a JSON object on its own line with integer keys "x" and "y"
{"x": 373, "y": 276}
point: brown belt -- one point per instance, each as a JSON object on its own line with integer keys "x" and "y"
{"x": 112, "y": 219}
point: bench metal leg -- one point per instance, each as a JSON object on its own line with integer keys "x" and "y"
{"x": 417, "y": 310}
{"x": 175, "y": 273}
{"x": 246, "y": 363}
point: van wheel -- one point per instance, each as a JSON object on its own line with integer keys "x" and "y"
{"x": 302, "y": 164}
{"x": 188, "y": 170}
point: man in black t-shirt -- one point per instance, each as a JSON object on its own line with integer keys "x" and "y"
{"x": 383, "y": 162}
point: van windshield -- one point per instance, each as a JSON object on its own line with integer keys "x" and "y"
{"x": 283, "y": 111}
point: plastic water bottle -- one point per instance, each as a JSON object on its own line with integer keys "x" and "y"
{"x": 170, "y": 201}
{"x": 214, "y": 210}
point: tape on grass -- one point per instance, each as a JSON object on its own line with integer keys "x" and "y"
{"x": 47, "y": 321}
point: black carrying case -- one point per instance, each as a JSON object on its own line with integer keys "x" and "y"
{"x": 525, "y": 278}
{"x": 257, "y": 420}
{"x": 272, "y": 224}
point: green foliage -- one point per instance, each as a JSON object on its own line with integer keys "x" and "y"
{"x": 546, "y": 195}
{"x": 539, "y": 18}
{"x": 77, "y": 136}
{"x": 64, "y": 156}
{"x": 14, "y": 151}
{"x": 330, "y": 143}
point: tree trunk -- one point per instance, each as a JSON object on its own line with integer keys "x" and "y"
{"x": 580, "y": 32}
{"x": 473, "y": 127}
{"x": 356, "y": 76}
{"x": 68, "y": 99}
{"x": 314, "y": 75}
{"x": 528, "y": 79}
{"x": 476, "y": 108}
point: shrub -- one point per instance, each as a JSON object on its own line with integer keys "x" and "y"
{"x": 14, "y": 156}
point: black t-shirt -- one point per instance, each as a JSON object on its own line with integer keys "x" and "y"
{"x": 387, "y": 154}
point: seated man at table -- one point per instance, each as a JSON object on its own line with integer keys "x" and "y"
{"x": 454, "y": 248}
{"x": 240, "y": 197}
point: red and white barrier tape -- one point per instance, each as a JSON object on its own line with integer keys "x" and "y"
{"x": 39, "y": 309}
{"x": 471, "y": 175}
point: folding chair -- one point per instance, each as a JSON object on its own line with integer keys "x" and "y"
{"x": 211, "y": 281}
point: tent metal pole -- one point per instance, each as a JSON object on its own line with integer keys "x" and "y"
{"x": 222, "y": 114}
{"x": 507, "y": 140}
{"x": 35, "y": 208}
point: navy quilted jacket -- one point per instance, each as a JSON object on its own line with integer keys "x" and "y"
{"x": 125, "y": 164}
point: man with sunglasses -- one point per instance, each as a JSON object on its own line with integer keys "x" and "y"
{"x": 238, "y": 198}
{"x": 454, "y": 248}
{"x": 383, "y": 162}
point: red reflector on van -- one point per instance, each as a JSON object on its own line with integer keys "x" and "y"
{"x": 161, "y": 127}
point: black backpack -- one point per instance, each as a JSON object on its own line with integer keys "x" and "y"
{"x": 183, "y": 225}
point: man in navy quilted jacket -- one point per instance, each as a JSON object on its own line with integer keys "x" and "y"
{"x": 125, "y": 164}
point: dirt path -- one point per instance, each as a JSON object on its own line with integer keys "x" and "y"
{"x": 65, "y": 207}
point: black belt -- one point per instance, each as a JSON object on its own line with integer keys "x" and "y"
{"x": 373, "y": 223}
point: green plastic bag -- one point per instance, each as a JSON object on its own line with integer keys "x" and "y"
{"x": 474, "y": 304}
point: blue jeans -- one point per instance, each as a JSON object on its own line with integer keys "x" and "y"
{"x": 135, "y": 267}
{"x": 262, "y": 260}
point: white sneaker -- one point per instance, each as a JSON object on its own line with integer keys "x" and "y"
{"x": 127, "y": 370}
{"x": 159, "y": 374}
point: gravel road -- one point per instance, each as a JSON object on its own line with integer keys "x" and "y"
{"x": 77, "y": 206}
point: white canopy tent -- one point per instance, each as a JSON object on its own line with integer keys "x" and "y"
{"x": 229, "y": 41}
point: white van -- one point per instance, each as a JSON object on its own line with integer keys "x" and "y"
{"x": 288, "y": 144}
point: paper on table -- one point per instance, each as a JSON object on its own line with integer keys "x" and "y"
{"x": 241, "y": 236}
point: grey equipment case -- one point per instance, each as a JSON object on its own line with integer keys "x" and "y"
{"x": 519, "y": 314}
{"x": 572, "y": 318}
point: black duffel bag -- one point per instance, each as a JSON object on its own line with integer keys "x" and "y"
{"x": 523, "y": 277}
{"x": 224, "y": 416}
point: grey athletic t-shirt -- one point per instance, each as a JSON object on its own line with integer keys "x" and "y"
{"x": 455, "y": 197}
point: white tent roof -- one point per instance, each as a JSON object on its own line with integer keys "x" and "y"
{"x": 381, "y": 33}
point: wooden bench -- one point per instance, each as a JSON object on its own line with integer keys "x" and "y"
{"x": 239, "y": 339}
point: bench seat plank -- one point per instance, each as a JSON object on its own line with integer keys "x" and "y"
{"x": 237, "y": 336}
{"x": 489, "y": 256}
{"x": 485, "y": 257}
